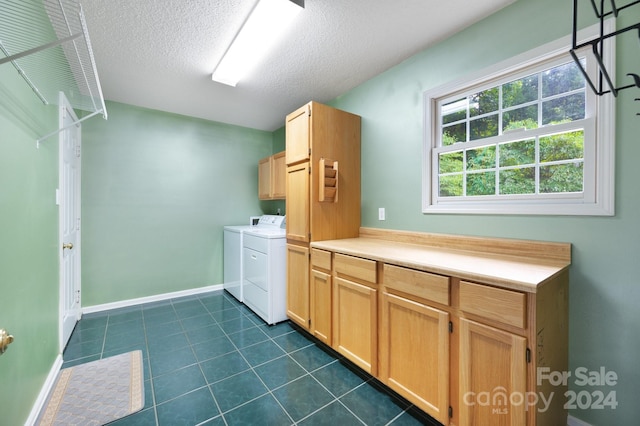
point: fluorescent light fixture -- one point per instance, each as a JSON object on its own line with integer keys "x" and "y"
{"x": 267, "y": 22}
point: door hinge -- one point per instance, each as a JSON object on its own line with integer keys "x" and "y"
{"x": 78, "y": 151}
{"x": 309, "y": 151}
{"x": 77, "y": 296}
{"x": 528, "y": 355}
{"x": 450, "y": 327}
{"x": 450, "y": 411}
{"x": 77, "y": 224}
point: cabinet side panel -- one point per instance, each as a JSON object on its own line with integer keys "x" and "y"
{"x": 550, "y": 351}
{"x": 335, "y": 135}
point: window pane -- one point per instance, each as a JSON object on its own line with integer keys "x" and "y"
{"x": 518, "y": 153}
{"x": 454, "y": 111}
{"x": 520, "y": 91}
{"x": 566, "y": 108}
{"x": 453, "y": 134}
{"x": 526, "y": 117}
{"x": 518, "y": 181}
{"x": 563, "y": 146}
{"x": 450, "y": 186}
{"x": 561, "y": 178}
{"x": 481, "y": 158}
{"x": 562, "y": 79}
{"x": 483, "y": 127}
{"x": 484, "y": 102}
{"x": 481, "y": 183}
{"x": 450, "y": 162}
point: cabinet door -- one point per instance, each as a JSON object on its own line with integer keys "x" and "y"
{"x": 298, "y": 284}
{"x": 414, "y": 353}
{"x": 264, "y": 178}
{"x": 298, "y": 202}
{"x": 321, "y": 305}
{"x": 492, "y": 374}
{"x": 355, "y": 329}
{"x": 278, "y": 176}
{"x": 297, "y": 136}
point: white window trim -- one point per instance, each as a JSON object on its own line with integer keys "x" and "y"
{"x": 604, "y": 203}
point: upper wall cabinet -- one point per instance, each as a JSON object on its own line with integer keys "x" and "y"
{"x": 271, "y": 177}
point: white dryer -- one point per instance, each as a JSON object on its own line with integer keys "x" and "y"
{"x": 264, "y": 269}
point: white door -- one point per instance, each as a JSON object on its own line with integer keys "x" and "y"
{"x": 69, "y": 201}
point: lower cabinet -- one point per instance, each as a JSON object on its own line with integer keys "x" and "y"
{"x": 355, "y": 319}
{"x": 460, "y": 351}
{"x": 492, "y": 376}
{"x": 414, "y": 353}
{"x": 321, "y": 306}
{"x": 298, "y": 284}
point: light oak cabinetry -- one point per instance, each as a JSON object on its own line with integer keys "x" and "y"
{"x": 414, "y": 338}
{"x": 492, "y": 372}
{"x": 315, "y": 133}
{"x": 321, "y": 287}
{"x": 355, "y": 310}
{"x": 272, "y": 177}
{"x": 459, "y": 333}
{"x": 298, "y": 283}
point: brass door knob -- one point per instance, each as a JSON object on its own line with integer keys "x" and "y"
{"x": 5, "y": 340}
{"x": 67, "y": 246}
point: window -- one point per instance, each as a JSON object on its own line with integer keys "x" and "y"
{"x": 529, "y": 137}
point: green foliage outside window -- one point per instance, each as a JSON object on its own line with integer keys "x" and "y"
{"x": 553, "y": 163}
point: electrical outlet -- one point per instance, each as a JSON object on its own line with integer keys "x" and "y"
{"x": 381, "y": 213}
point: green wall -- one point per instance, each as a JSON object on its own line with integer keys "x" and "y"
{"x": 157, "y": 189}
{"x": 604, "y": 288}
{"x": 29, "y": 284}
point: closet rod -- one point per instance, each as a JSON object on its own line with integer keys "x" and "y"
{"x": 75, "y": 123}
{"x": 40, "y": 48}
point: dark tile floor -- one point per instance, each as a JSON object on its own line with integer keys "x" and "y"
{"x": 211, "y": 361}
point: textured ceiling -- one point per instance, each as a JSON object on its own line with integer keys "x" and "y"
{"x": 160, "y": 53}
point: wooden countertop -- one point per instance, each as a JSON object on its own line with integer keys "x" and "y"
{"x": 517, "y": 272}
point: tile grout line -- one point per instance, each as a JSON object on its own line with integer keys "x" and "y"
{"x": 253, "y": 322}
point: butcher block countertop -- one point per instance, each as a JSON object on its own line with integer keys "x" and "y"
{"x": 513, "y": 264}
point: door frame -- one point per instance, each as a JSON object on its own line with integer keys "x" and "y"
{"x": 64, "y": 105}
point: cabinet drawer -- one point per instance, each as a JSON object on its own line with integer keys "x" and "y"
{"x": 321, "y": 259}
{"x": 355, "y": 267}
{"x": 417, "y": 283}
{"x": 505, "y": 306}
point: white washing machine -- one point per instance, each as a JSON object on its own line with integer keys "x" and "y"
{"x": 232, "y": 272}
{"x": 264, "y": 269}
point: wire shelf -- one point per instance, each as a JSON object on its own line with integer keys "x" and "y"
{"x": 48, "y": 43}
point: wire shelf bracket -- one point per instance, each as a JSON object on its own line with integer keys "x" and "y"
{"x": 597, "y": 46}
{"x": 48, "y": 43}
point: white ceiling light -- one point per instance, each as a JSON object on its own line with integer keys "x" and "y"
{"x": 267, "y": 22}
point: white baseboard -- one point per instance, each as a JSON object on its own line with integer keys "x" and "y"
{"x": 156, "y": 298}
{"x": 572, "y": 421}
{"x": 44, "y": 391}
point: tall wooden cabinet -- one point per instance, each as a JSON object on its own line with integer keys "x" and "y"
{"x": 318, "y": 135}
